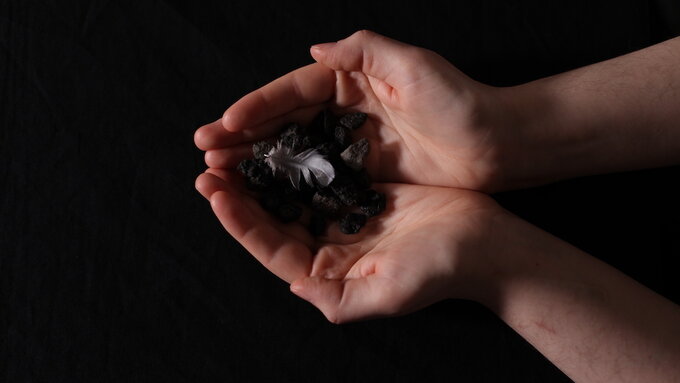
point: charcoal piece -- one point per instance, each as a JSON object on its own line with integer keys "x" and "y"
{"x": 353, "y": 120}
{"x": 326, "y": 203}
{"x": 307, "y": 142}
{"x": 287, "y": 212}
{"x": 317, "y": 224}
{"x": 292, "y": 129}
{"x": 292, "y": 136}
{"x": 341, "y": 168}
{"x": 296, "y": 143}
{"x": 323, "y": 121}
{"x": 257, "y": 172}
{"x": 341, "y": 136}
{"x": 328, "y": 123}
{"x": 261, "y": 148}
{"x": 373, "y": 204}
{"x": 346, "y": 190}
{"x": 362, "y": 179}
{"x": 329, "y": 149}
{"x": 354, "y": 155}
{"x": 271, "y": 201}
{"x": 351, "y": 223}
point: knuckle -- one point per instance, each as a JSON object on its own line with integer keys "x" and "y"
{"x": 418, "y": 56}
{"x": 226, "y": 116}
{"x": 333, "y": 318}
{"x": 362, "y": 35}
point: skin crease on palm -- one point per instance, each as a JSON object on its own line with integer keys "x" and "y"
{"x": 427, "y": 121}
{"x": 408, "y": 257}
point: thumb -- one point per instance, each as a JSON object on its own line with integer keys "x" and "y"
{"x": 346, "y": 300}
{"x": 373, "y": 54}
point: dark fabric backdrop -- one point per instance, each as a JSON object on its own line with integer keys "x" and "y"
{"x": 114, "y": 269}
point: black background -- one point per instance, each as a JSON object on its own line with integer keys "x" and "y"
{"x": 114, "y": 269}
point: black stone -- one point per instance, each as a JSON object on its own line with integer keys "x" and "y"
{"x": 257, "y": 172}
{"x": 344, "y": 188}
{"x": 353, "y": 120}
{"x": 351, "y": 223}
{"x": 354, "y": 155}
{"x": 341, "y": 136}
{"x": 326, "y": 203}
{"x": 261, "y": 148}
{"x": 374, "y": 203}
{"x": 329, "y": 149}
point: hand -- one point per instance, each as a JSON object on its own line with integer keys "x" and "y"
{"x": 429, "y": 244}
{"x": 428, "y": 123}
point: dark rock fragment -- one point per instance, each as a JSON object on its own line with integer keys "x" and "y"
{"x": 354, "y": 155}
{"x": 326, "y": 203}
{"x": 345, "y": 189}
{"x": 351, "y": 223}
{"x": 341, "y": 136}
{"x": 353, "y": 120}
{"x": 328, "y": 123}
{"x": 293, "y": 129}
{"x": 261, "y": 148}
{"x": 293, "y": 136}
{"x": 329, "y": 149}
{"x": 374, "y": 203}
{"x": 257, "y": 172}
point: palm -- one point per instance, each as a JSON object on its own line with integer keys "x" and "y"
{"x": 411, "y": 242}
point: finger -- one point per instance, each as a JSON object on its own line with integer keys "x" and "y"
{"x": 207, "y": 184}
{"x": 347, "y": 300}
{"x": 281, "y": 253}
{"x": 214, "y": 136}
{"x": 373, "y": 54}
{"x": 226, "y": 175}
{"x": 228, "y": 158}
{"x": 230, "y": 177}
{"x": 310, "y": 85}
{"x": 214, "y": 180}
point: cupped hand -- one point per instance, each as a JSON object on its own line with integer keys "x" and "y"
{"x": 428, "y": 123}
{"x": 431, "y": 243}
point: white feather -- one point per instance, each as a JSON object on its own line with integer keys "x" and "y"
{"x": 308, "y": 162}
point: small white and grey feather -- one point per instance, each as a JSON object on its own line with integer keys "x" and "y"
{"x": 282, "y": 159}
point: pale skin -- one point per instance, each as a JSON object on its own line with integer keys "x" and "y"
{"x": 437, "y": 132}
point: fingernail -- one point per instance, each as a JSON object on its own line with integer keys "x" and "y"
{"x": 322, "y": 47}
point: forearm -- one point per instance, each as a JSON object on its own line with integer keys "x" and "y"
{"x": 590, "y": 320}
{"x": 617, "y": 115}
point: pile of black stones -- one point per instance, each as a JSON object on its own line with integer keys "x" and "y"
{"x": 348, "y": 199}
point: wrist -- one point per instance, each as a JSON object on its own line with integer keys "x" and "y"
{"x": 540, "y": 140}
{"x": 484, "y": 264}
{"x": 509, "y": 256}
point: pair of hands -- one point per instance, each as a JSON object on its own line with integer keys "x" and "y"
{"x": 435, "y": 135}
